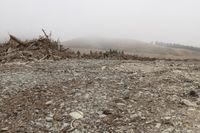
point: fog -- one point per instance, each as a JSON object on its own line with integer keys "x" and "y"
{"x": 175, "y": 21}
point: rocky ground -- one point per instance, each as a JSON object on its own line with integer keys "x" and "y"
{"x": 100, "y": 96}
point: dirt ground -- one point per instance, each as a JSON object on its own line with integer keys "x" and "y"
{"x": 100, "y": 96}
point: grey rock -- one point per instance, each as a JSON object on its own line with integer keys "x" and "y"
{"x": 168, "y": 130}
{"x": 49, "y": 119}
{"x": 158, "y": 125}
{"x": 65, "y": 126}
{"x": 188, "y": 103}
{"x": 76, "y": 115}
{"x": 76, "y": 131}
{"x": 4, "y": 129}
{"x": 49, "y": 102}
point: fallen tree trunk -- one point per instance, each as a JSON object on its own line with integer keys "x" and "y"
{"x": 16, "y": 40}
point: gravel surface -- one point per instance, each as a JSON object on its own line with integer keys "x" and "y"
{"x": 100, "y": 96}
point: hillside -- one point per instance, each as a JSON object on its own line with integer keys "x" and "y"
{"x": 130, "y": 46}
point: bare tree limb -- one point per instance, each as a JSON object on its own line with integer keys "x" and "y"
{"x": 45, "y": 34}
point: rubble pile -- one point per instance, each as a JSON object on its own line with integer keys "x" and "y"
{"x": 37, "y": 49}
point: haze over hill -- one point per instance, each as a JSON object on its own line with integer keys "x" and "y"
{"x": 131, "y": 46}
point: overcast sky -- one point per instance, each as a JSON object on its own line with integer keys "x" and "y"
{"x": 147, "y": 20}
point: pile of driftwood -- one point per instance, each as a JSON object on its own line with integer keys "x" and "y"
{"x": 45, "y": 48}
{"x": 37, "y": 49}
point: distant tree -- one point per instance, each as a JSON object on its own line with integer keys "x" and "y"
{"x": 100, "y": 53}
{"x": 91, "y": 53}
{"x": 84, "y": 55}
{"x": 78, "y": 54}
{"x": 110, "y": 52}
{"x": 105, "y": 54}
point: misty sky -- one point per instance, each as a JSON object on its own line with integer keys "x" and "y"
{"x": 148, "y": 20}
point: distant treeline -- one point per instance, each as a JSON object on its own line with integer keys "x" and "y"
{"x": 175, "y": 45}
{"x": 116, "y": 55}
{"x": 109, "y": 54}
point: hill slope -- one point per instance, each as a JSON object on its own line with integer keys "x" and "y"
{"x": 130, "y": 46}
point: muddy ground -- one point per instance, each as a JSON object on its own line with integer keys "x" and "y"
{"x": 100, "y": 96}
